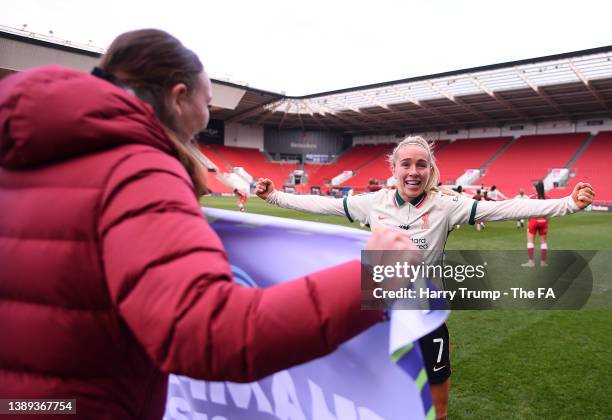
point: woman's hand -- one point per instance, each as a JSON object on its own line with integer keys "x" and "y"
{"x": 390, "y": 239}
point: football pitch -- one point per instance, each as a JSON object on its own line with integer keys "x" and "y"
{"x": 518, "y": 364}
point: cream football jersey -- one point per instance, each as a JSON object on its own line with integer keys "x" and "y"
{"x": 429, "y": 218}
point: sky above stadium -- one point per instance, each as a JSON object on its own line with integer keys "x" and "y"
{"x": 303, "y": 47}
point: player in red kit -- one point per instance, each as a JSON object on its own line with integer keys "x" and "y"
{"x": 537, "y": 225}
{"x": 242, "y": 198}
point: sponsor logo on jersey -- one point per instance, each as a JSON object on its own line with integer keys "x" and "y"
{"x": 421, "y": 243}
{"x": 424, "y": 222}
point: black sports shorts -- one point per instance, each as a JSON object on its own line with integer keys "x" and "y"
{"x": 435, "y": 347}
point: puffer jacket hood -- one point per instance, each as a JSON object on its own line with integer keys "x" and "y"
{"x": 40, "y": 123}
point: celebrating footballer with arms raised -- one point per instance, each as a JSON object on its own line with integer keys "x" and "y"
{"x": 429, "y": 213}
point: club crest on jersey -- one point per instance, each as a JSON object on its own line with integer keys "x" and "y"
{"x": 425, "y": 219}
{"x": 424, "y": 223}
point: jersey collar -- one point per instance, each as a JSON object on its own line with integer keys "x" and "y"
{"x": 415, "y": 201}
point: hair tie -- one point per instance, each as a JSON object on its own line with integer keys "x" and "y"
{"x": 103, "y": 74}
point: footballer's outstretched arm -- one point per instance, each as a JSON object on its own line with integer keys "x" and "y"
{"x": 308, "y": 203}
{"x": 581, "y": 197}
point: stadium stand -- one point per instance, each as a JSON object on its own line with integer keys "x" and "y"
{"x": 352, "y": 160}
{"x": 375, "y": 169}
{"x": 526, "y": 160}
{"x": 312, "y": 168}
{"x": 529, "y": 159}
{"x": 238, "y": 156}
{"x": 222, "y": 164}
{"x": 216, "y": 186}
{"x": 255, "y": 163}
{"x": 460, "y": 155}
{"x": 440, "y": 145}
{"x": 592, "y": 166}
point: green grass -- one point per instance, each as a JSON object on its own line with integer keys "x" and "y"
{"x": 531, "y": 364}
{"x": 519, "y": 364}
{"x": 258, "y": 206}
{"x": 581, "y": 231}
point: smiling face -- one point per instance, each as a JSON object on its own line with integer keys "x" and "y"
{"x": 411, "y": 169}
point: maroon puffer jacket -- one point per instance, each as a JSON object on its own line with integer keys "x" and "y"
{"x": 110, "y": 278}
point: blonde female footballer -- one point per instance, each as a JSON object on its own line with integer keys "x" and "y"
{"x": 429, "y": 214}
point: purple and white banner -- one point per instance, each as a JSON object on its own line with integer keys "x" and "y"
{"x": 359, "y": 381}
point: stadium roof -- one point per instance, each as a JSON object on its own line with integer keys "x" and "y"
{"x": 568, "y": 86}
{"x": 560, "y": 87}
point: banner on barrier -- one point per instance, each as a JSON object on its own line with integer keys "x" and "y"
{"x": 359, "y": 381}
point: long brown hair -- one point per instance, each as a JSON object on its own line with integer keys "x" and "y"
{"x": 150, "y": 62}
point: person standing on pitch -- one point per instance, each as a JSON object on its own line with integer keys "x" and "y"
{"x": 429, "y": 213}
{"x": 495, "y": 194}
{"x": 242, "y": 197}
{"x": 522, "y": 196}
{"x": 537, "y": 225}
{"x": 479, "y": 196}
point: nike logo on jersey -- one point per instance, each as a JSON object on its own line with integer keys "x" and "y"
{"x": 436, "y": 368}
{"x": 383, "y": 217}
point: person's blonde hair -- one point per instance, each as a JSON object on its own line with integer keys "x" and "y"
{"x": 434, "y": 175}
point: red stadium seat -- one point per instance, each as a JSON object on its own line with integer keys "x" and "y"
{"x": 529, "y": 159}
{"x": 352, "y": 160}
{"x": 593, "y": 166}
{"x": 460, "y": 155}
{"x": 255, "y": 163}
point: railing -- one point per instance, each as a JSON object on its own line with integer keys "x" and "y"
{"x": 52, "y": 39}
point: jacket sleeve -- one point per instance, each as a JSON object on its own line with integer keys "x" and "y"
{"x": 519, "y": 209}
{"x": 356, "y": 207}
{"x": 168, "y": 275}
{"x": 308, "y": 203}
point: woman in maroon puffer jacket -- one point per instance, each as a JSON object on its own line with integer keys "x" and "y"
{"x": 110, "y": 278}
